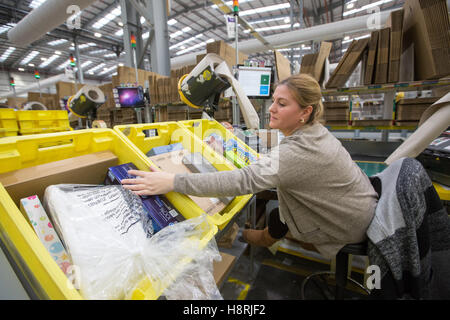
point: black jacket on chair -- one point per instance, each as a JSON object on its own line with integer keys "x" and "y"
{"x": 409, "y": 236}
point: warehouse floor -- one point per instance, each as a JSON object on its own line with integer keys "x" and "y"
{"x": 279, "y": 277}
{"x": 275, "y": 276}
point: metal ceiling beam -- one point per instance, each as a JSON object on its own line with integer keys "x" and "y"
{"x": 103, "y": 12}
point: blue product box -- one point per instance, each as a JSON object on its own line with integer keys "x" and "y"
{"x": 164, "y": 149}
{"x": 117, "y": 173}
{"x": 161, "y": 212}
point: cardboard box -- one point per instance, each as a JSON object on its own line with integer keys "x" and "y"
{"x": 87, "y": 169}
{"x": 283, "y": 66}
{"x": 371, "y": 58}
{"x": 382, "y": 67}
{"x": 315, "y": 63}
{"x": 226, "y": 241}
{"x": 426, "y": 25}
{"x": 395, "y": 22}
{"x": 222, "y": 268}
{"x": 348, "y": 63}
{"x": 227, "y": 52}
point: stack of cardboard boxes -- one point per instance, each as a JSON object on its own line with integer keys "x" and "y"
{"x": 314, "y": 63}
{"x": 336, "y": 113}
{"x": 409, "y": 111}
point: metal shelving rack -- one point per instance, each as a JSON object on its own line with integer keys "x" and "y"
{"x": 389, "y": 90}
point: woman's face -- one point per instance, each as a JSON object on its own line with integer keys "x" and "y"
{"x": 285, "y": 112}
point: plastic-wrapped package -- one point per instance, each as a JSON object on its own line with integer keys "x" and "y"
{"x": 112, "y": 246}
{"x": 103, "y": 235}
{"x": 178, "y": 259}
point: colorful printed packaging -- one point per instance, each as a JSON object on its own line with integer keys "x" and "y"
{"x": 238, "y": 154}
{"x": 32, "y": 208}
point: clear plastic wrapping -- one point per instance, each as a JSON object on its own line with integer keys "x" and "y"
{"x": 111, "y": 243}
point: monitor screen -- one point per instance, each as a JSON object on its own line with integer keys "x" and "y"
{"x": 129, "y": 97}
{"x": 255, "y": 81}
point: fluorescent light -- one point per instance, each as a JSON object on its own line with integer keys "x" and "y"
{"x": 120, "y": 23}
{"x": 21, "y": 69}
{"x": 180, "y": 32}
{"x": 36, "y": 3}
{"x": 210, "y": 40}
{"x": 142, "y": 20}
{"x": 109, "y": 55}
{"x": 31, "y": 64}
{"x": 29, "y": 57}
{"x": 110, "y": 16}
{"x": 179, "y": 44}
{"x": 267, "y": 20}
{"x": 7, "y": 53}
{"x": 119, "y": 33}
{"x": 65, "y": 64}
{"x": 98, "y": 51}
{"x": 98, "y": 34}
{"x": 107, "y": 70}
{"x": 85, "y": 64}
{"x": 84, "y": 46}
{"x": 96, "y": 68}
{"x": 171, "y": 22}
{"x": 350, "y": 5}
{"x": 265, "y": 9}
{"x": 57, "y": 42}
{"x": 57, "y": 52}
{"x": 367, "y": 6}
{"x": 282, "y": 26}
{"x": 191, "y": 48}
{"x": 6, "y": 27}
{"x": 49, "y": 60}
{"x": 146, "y": 35}
{"x": 357, "y": 38}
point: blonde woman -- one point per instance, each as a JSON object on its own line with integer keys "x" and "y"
{"x": 325, "y": 200}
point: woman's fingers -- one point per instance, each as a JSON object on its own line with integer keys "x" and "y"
{"x": 135, "y": 187}
{"x": 138, "y": 173}
{"x": 133, "y": 181}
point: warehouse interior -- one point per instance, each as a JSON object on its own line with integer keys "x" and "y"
{"x": 90, "y": 89}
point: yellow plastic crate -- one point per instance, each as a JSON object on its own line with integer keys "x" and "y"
{"x": 43, "y": 121}
{"x": 32, "y": 258}
{"x": 202, "y": 128}
{"x": 8, "y": 123}
{"x": 173, "y": 132}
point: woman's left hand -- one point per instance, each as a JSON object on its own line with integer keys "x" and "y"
{"x": 149, "y": 183}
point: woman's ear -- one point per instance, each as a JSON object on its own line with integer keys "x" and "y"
{"x": 307, "y": 111}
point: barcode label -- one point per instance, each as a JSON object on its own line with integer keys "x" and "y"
{"x": 173, "y": 213}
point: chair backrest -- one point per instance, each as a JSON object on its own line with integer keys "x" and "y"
{"x": 399, "y": 236}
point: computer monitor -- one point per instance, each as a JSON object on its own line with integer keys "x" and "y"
{"x": 129, "y": 97}
{"x": 256, "y": 81}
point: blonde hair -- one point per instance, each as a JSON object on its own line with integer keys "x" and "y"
{"x": 306, "y": 92}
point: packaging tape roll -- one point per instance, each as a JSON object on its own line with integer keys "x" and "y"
{"x": 86, "y": 99}
{"x": 34, "y": 105}
{"x": 99, "y": 124}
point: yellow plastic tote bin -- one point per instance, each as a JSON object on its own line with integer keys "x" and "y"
{"x": 43, "y": 121}
{"x": 31, "y": 257}
{"x": 8, "y": 123}
{"x": 165, "y": 133}
{"x": 241, "y": 156}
